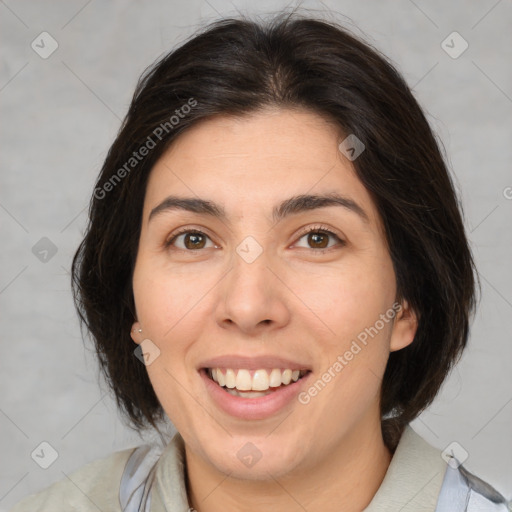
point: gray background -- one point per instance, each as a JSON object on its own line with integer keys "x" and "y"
{"x": 60, "y": 115}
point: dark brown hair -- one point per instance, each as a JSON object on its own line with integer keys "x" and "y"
{"x": 237, "y": 67}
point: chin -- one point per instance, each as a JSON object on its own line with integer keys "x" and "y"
{"x": 254, "y": 457}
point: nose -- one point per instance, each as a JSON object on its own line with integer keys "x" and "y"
{"x": 252, "y": 297}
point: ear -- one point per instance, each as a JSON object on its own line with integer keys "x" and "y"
{"x": 136, "y": 333}
{"x": 404, "y": 327}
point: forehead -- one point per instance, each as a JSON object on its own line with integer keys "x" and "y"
{"x": 256, "y": 161}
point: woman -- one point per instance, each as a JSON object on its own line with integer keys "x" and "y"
{"x": 276, "y": 262}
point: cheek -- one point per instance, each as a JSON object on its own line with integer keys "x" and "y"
{"x": 355, "y": 349}
{"x": 169, "y": 305}
{"x": 166, "y": 299}
{"x": 356, "y": 355}
{"x": 347, "y": 299}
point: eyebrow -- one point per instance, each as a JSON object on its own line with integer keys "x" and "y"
{"x": 293, "y": 205}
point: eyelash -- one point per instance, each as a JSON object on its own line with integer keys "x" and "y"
{"x": 312, "y": 229}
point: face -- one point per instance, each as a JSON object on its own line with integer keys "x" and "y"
{"x": 294, "y": 290}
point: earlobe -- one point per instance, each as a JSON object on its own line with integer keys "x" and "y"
{"x": 404, "y": 327}
{"x": 135, "y": 333}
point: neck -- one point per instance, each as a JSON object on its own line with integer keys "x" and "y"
{"x": 348, "y": 479}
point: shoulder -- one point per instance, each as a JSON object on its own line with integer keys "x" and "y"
{"x": 462, "y": 490}
{"x": 422, "y": 477}
{"x": 91, "y": 487}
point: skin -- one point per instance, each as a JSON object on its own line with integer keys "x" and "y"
{"x": 292, "y": 301}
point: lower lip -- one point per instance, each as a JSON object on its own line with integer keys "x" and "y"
{"x": 253, "y": 408}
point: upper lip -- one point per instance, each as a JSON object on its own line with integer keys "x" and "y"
{"x": 252, "y": 363}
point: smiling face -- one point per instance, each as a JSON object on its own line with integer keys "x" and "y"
{"x": 255, "y": 283}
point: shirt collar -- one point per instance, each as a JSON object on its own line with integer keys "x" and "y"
{"x": 169, "y": 492}
{"x": 413, "y": 479}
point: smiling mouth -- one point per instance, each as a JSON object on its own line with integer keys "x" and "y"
{"x": 254, "y": 383}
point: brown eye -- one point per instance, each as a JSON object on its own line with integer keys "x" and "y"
{"x": 191, "y": 240}
{"x": 318, "y": 238}
{"x": 194, "y": 241}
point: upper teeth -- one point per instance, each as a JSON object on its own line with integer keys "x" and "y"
{"x": 260, "y": 381}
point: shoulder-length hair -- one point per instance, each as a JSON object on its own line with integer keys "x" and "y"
{"x": 239, "y": 66}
